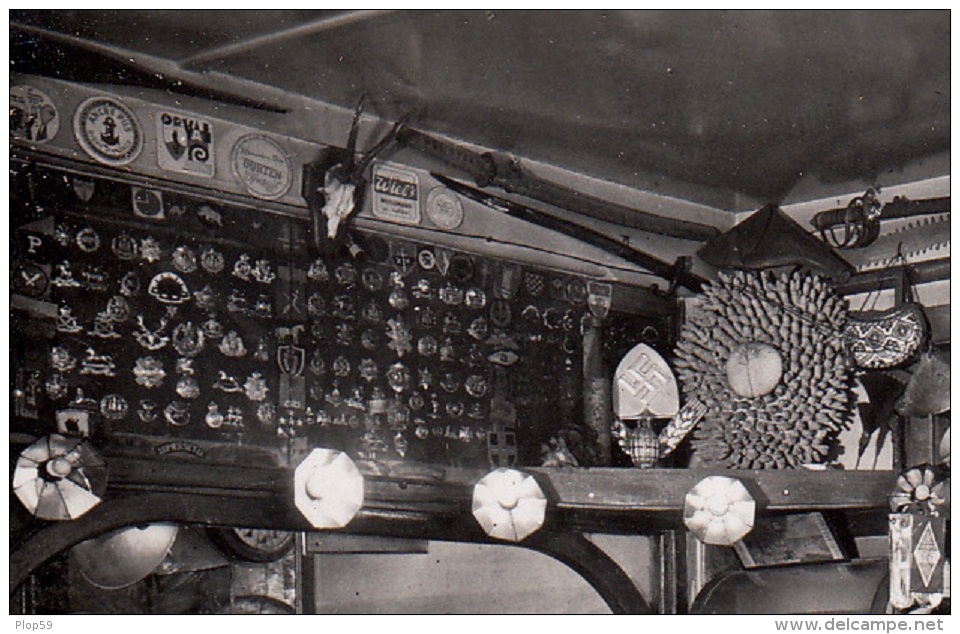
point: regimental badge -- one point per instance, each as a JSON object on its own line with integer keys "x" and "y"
{"x": 212, "y": 260}
{"x": 262, "y": 272}
{"x": 33, "y": 115}
{"x": 316, "y": 305}
{"x": 94, "y": 278}
{"x": 403, "y": 256}
{"x": 255, "y": 387}
{"x": 64, "y": 277}
{"x": 88, "y": 240}
{"x": 266, "y": 413}
{"x": 262, "y": 167}
{"x": 177, "y": 413}
{"x": 185, "y": 144}
{"x": 427, "y": 346}
{"x": 104, "y": 327}
{"x": 108, "y": 131}
{"x": 450, "y": 294}
{"x": 346, "y": 275}
{"x": 242, "y": 269}
{"x": 368, "y": 370}
{"x": 150, "y": 250}
{"x": 500, "y": 313}
{"x": 30, "y": 280}
{"x": 67, "y": 321}
{"x": 61, "y": 360}
{"x": 187, "y": 339}
{"x": 232, "y": 345}
{"x": 341, "y": 366}
{"x": 478, "y": 329}
{"x": 184, "y": 259}
{"x": 56, "y": 386}
{"x": 318, "y": 271}
{"x": 599, "y": 298}
{"x": 124, "y": 246}
{"x": 291, "y": 359}
{"x": 130, "y": 284}
{"x": 398, "y": 299}
{"x": 213, "y": 418}
{"x": 475, "y": 298}
{"x": 372, "y": 279}
{"x": 205, "y": 298}
{"x": 426, "y": 259}
{"x": 399, "y": 378}
{"x": 148, "y": 203}
{"x": 210, "y": 216}
{"x": 149, "y": 372}
{"x": 212, "y": 329}
{"x": 167, "y": 287}
{"x": 148, "y": 411}
{"x": 400, "y": 337}
{"x": 226, "y": 383}
{"x": 188, "y": 387}
{"x": 151, "y": 339}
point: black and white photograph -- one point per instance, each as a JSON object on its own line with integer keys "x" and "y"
{"x": 479, "y": 312}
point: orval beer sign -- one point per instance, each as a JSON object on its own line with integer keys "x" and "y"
{"x": 185, "y": 144}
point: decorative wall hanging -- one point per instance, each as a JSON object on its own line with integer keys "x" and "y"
{"x": 33, "y": 115}
{"x": 860, "y": 221}
{"x": 881, "y": 340}
{"x": 796, "y": 318}
{"x": 261, "y": 166}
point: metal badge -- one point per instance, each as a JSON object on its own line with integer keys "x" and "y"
{"x": 242, "y": 268}
{"x": 476, "y": 411}
{"x": 63, "y": 235}
{"x": 450, "y": 382}
{"x": 64, "y": 277}
{"x": 130, "y": 284}
{"x": 372, "y": 312}
{"x": 398, "y": 299}
{"x": 168, "y": 288}
{"x": 104, "y": 327}
{"x": 475, "y": 298}
{"x": 61, "y": 360}
{"x": 232, "y": 345}
{"x": 318, "y": 271}
{"x": 403, "y": 256}
{"x": 427, "y": 346}
{"x": 125, "y": 246}
{"x": 399, "y": 378}
{"x": 368, "y": 370}
{"x": 212, "y": 260}
{"x": 236, "y": 302}
{"x": 212, "y": 329}
{"x": 369, "y": 339}
{"x": 399, "y": 335}
{"x": 343, "y": 308}
{"x": 213, "y": 418}
{"x": 148, "y": 411}
{"x": 599, "y": 298}
{"x": 318, "y": 364}
{"x": 149, "y": 372}
{"x": 185, "y": 366}
{"x": 262, "y": 272}
{"x": 263, "y": 307}
{"x": 94, "y": 278}
{"x": 508, "y": 281}
{"x": 476, "y": 385}
{"x": 344, "y": 334}
{"x": 210, "y": 216}
{"x": 425, "y": 379}
{"x": 234, "y": 417}
{"x": 266, "y": 413}
{"x": 188, "y": 387}
{"x": 426, "y": 316}
{"x": 187, "y": 339}
{"x": 454, "y": 409}
{"x": 177, "y": 413}
{"x": 426, "y": 259}
{"x": 66, "y": 321}
{"x": 56, "y": 386}
{"x": 262, "y": 353}
{"x": 452, "y": 324}
{"x": 504, "y": 358}
{"x": 118, "y": 308}
{"x": 500, "y": 313}
{"x": 416, "y": 402}
{"x": 447, "y": 351}
{"x": 184, "y": 259}
{"x": 316, "y": 305}
{"x": 372, "y": 279}
{"x": 422, "y": 289}
{"x": 478, "y": 329}
{"x": 341, "y": 366}
{"x": 151, "y": 339}
{"x": 255, "y": 387}
{"x": 346, "y": 275}
{"x": 451, "y": 294}
{"x": 108, "y": 131}
{"x": 227, "y": 383}
{"x": 150, "y": 250}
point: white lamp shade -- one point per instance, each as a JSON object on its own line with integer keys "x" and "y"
{"x": 509, "y": 505}
{"x": 59, "y": 478}
{"x": 719, "y": 511}
{"x": 328, "y": 488}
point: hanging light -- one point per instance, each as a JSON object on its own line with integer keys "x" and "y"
{"x": 328, "y": 488}
{"x": 59, "y": 478}
{"x": 719, "y": 510}
{"x": 509, "y": 505}
{"x": 123, "y": 557}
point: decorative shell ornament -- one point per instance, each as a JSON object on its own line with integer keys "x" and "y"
{"x": 719, "y": 510}
{"x": 764, "y": 354}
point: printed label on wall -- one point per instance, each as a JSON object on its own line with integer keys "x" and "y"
{"x": 108, "y": 131}
{"x": 396, "y": 195}
{"x": 262, "y": 166}
{"x": 185, "y": 144}
{"x": 33, "y": 116}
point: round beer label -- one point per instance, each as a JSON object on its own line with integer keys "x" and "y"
{"x": 108, "y": 131}
{"x": 262, "y": 166}
{"x": 444, "y": 208}
{"x": 33, "y": 116}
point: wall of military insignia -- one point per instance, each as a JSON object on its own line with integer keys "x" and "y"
{"x": 182, "y": 319}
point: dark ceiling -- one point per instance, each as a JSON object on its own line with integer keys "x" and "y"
{"x": 743, "y": 102}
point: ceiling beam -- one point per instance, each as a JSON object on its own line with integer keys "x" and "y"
{"x": 320, "y": 25}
